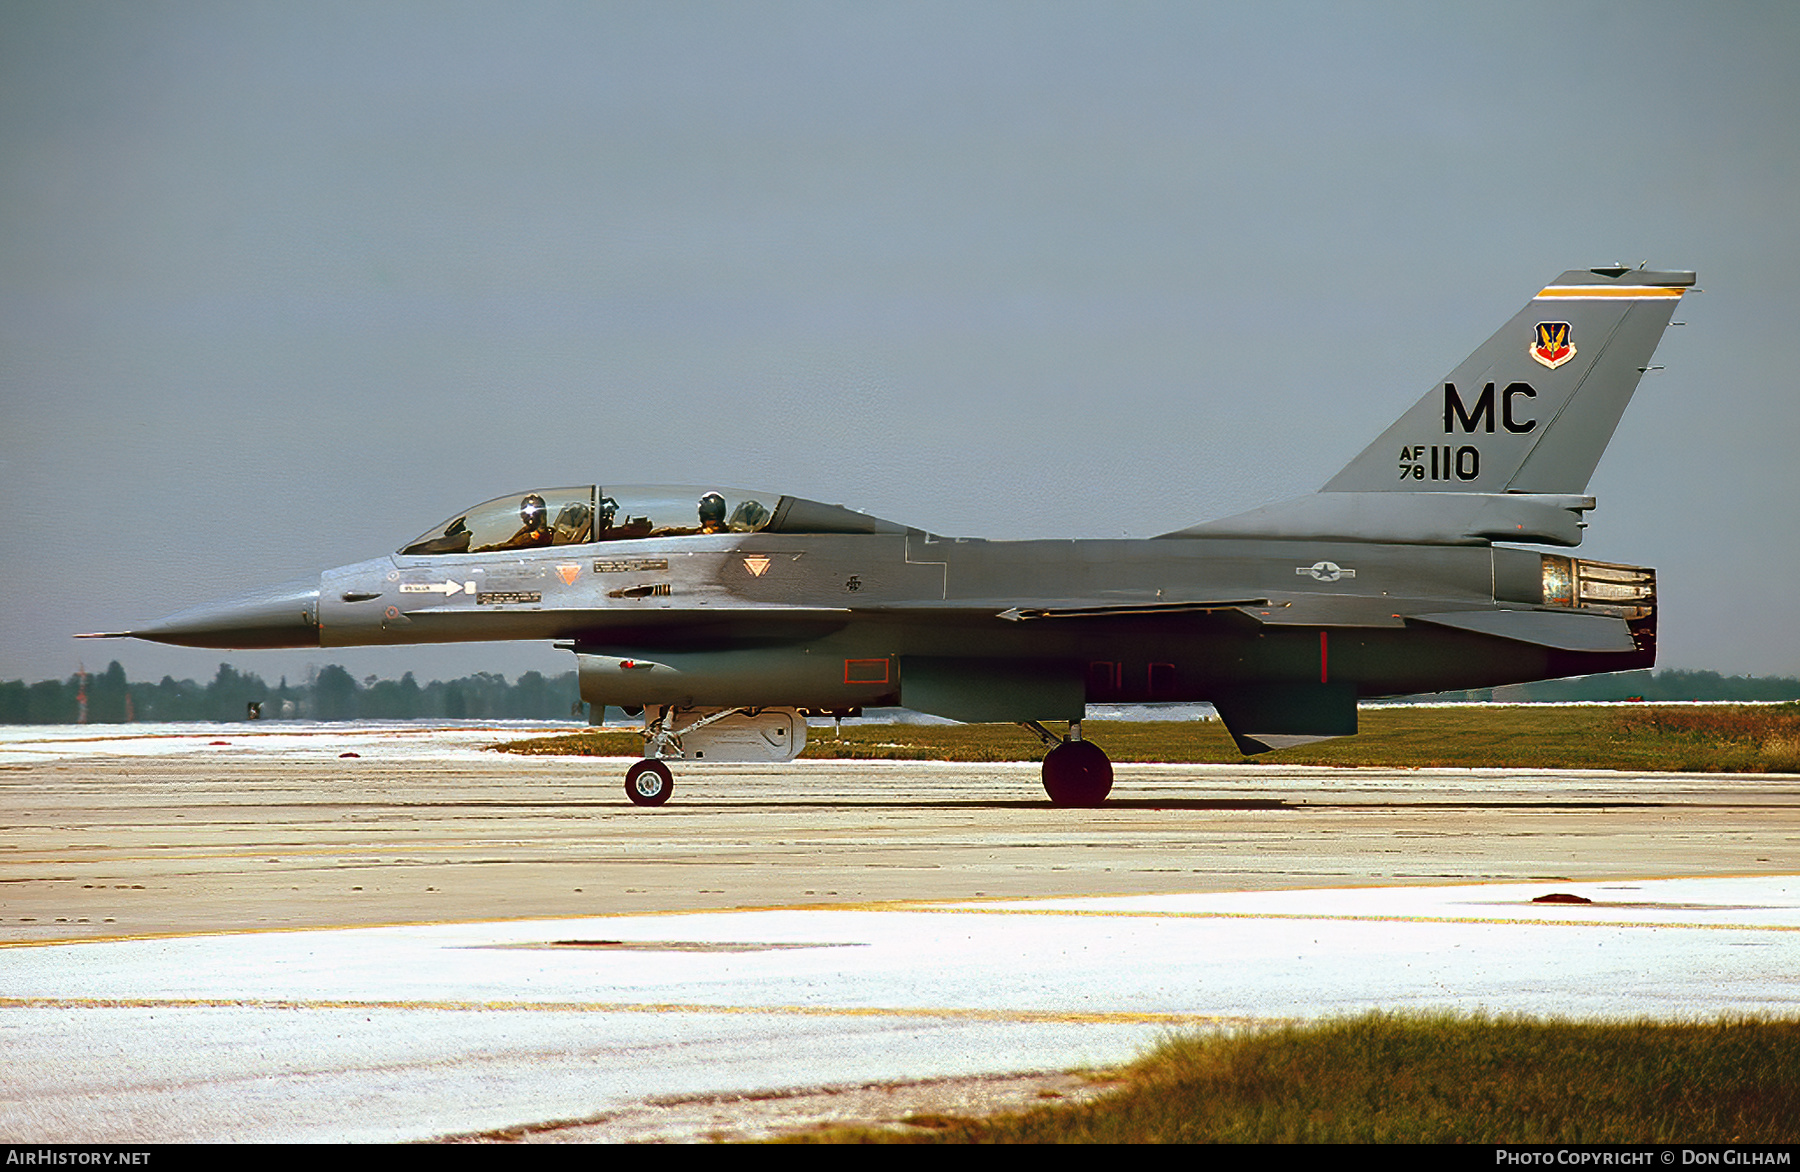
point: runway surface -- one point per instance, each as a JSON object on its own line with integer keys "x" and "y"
{"x": 264, "y": 939}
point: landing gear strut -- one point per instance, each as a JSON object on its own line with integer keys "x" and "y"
{"x": 1076, "y": 772}
{"x": 649, "y": 782}
{"x": 741, "y": 734}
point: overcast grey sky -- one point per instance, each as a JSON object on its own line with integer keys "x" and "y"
{"x": 282, "y": 285}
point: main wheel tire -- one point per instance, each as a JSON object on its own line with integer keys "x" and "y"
{"x": 649, "y": 783}
{"x": 1077, "y": 773}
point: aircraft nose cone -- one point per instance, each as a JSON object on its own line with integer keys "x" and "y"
{"x": 275, "y": 616}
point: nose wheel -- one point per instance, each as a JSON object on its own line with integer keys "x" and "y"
{"x": 1076, "y": 772}
{"x": 649, "y": 783}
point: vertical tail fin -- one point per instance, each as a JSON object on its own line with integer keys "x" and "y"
{"x": 1531, "y": 410}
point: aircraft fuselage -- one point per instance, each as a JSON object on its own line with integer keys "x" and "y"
{"x": 727, "y": 616}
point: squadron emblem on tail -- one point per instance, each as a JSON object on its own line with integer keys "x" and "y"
{"x": 1551, "y": 345}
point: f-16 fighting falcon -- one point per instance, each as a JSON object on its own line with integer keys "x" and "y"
{"x": 725, "y": 617}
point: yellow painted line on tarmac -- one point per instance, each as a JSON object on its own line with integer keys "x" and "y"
{"x": 365, "y": 734}
{"x": 528, "y": 850}
{"x": 906, "y": 906}
{"x": 280, "y": 854}
{"x": 944, "y": 1013}
{"x": 990, "y": 905}
{"x": 1504, "y": 921}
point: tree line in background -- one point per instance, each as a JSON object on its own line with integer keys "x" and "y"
{"x": 1650, "y": 687}
{"x": 331, "y": 693}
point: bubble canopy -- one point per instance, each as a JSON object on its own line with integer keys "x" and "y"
{"x": 598, "y": 513}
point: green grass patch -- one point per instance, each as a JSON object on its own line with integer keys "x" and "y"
{"x": 1386, "y": 1078}
{"x": 592, "y": 743}
{"x": 1724, "y": 738}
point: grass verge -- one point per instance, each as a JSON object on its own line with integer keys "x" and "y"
{"x": 1725, "y": 738}
{"x": 1387, "y": 1078}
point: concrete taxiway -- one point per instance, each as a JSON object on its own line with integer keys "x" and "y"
{"x": 241, "y": 940}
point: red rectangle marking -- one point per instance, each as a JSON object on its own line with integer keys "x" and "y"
{"x": 1159, "y": 678}
{"x": 865, "y": 671}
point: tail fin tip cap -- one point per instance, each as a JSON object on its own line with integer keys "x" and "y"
{"x": 1620, "y": 275}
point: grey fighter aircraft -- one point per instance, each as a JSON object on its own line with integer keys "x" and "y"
{"x": 725, "y": 617}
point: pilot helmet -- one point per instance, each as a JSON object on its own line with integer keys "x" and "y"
{"x": 712, "y": 508}
{"x": 532, "y": 511}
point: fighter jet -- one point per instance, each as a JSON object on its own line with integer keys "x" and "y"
{"x": 724, "y": 618}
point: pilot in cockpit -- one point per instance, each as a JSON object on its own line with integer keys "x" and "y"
{"x": 748, "y": 517}
{"x": 712, "y": 519}
{"x": 712, "y": 513}
{"x": 534, "y": 527}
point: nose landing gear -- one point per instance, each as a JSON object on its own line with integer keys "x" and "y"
{"x": 1076, "y": 772}
{"x": 649, "y": 783}
{"x": 709, "y": 734}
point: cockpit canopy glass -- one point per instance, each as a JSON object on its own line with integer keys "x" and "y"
{"x": 527, "y": 520}
{"x": 575, "y": 516}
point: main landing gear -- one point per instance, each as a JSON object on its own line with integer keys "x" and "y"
{"x": 1076, "y": 772}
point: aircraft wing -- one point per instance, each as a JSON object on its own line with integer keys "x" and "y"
{"x": 1009, "y": 609}
{"x": 1107, "y": 610}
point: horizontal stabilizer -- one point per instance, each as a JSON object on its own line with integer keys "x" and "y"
{"x": 1561, "y": 630}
